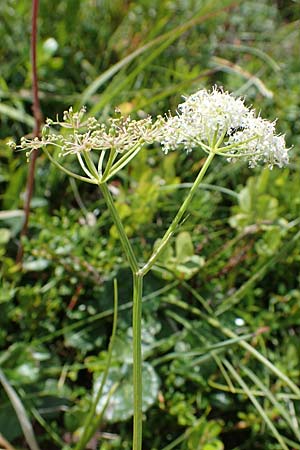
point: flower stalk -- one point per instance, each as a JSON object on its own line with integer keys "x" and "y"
{"x": 120, "y": 228}
{"x": 174, "y": 225}
{"x": 137, "y": 361}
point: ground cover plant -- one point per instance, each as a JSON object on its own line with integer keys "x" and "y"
{"x": 221, "y": 307}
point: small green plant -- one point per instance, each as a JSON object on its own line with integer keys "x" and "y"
{"x": 213, "y": 121}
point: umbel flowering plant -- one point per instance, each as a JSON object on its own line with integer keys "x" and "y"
{"x": 213, "y": 122}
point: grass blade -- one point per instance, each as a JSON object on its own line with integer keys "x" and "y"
{"x": 294, "y": 426}
{"x": 258, "y": 275}
{"x": 109, "y": 95}
{"x": 214, "y": 322}
{"x": 256, "y": 404}
{"x": 16, "y": 114}
{"x": 20, "y": 412}
{"x": 228, "y": 66}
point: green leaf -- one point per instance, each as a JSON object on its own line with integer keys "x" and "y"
{"x": 184, "y": 265}
{"x": 79, "y": 340}
{"x": 184, "y": 246}
{"x": 9, "y": 423}
{"x": 256, "y": 205}
{"x": 120, "y": 405}
{"x": 204, "y": 436}
{"x": 167, "y": 254}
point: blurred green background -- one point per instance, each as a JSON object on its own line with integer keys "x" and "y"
{"x": 222, "y": 312}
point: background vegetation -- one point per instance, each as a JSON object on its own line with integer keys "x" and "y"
{"x": 222, "y": 313}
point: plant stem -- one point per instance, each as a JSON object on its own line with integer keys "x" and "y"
{"x": 118, "y": 223}
{"x": 111, "y": 158}
{"x": 172, "y": 228}
{"x": 137, "y": 361}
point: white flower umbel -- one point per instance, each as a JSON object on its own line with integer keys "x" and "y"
{"x": 216, "y": 121}
{"x": 121, "y": 134}
{"x": 115, "y": 143}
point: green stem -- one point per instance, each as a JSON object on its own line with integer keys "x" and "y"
{"x": 170, "y": 231}
{"x": 123, "y": 161}
{"x": 83, "y": 166}
{"x": 138, "y": 276}
{"x": 118, "y": 223}
{"x": 137, "y": 361}
{"x": 111, "y": 157}
{"x": 100, "y": 163}
{"x": 90, "y": 164}
{"x": 68, "y": 172}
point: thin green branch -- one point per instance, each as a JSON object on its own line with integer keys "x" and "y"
{"x": 118, "y": 223}
{"x": 123, "y": 161}
{"x": 82, "y": 165}
{"x": 111, "y": 157}
{"x": 68, "y": 172}
{"x": 90, "y": 164}
{"x": 100, "y": 162}
{"x": 172, "y": 228}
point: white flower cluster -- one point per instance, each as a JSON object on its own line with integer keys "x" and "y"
{"x": 261, "y": 143}
{"x": 216, "y": 121}
{"x": 121, "y": 134}
{"x": 212, "y": 120}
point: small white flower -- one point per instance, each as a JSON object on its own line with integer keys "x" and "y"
{"x": 216, "y": 121}
{"x": 262, "y": 144}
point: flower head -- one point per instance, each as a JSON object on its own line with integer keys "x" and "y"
{"x": 216, "y": 121}
{"x": 115, "y": 143}
{"x": 86, "y": 134}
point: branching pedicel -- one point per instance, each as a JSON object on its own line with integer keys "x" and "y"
{"x": 213, "y": 121}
